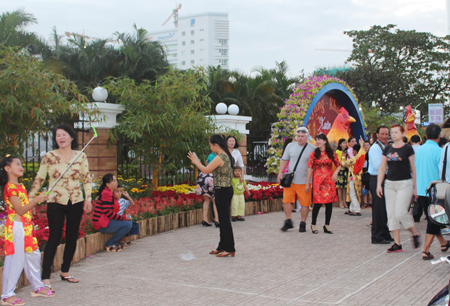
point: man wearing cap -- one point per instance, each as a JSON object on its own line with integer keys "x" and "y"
{"x": 291, "y": 155}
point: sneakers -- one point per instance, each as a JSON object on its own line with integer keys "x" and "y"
{"x": 416, "y": 241}
{"x": 302, "y": 228}
{"x": 395, "y": 248}
{"x": 287, "y": 225}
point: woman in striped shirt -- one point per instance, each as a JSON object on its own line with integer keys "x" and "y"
{"x": 106, "y": 218}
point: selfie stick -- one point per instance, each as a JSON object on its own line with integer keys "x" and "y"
{"x": 95, "y": 136}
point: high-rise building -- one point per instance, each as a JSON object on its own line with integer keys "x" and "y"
{"x": 200, "y": 40}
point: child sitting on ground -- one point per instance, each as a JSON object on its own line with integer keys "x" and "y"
{"x": 238, "y": 200}
{"x": 21, "y": 246}
{"x": 124, "y": 204}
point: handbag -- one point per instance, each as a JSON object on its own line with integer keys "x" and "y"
{"x": 438, "y": 189}
{"x": 288, "y": 177}
{"x": 365, "y": 179}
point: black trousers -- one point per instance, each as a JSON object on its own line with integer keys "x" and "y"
{"x": 56, "y": 214}
{"x": 328, "y": 212}
{"x": 432, "y": 228}
{"x": 380, "y": 230}
{"x": 417, "y": 211}
{"x": 223, "y": 202}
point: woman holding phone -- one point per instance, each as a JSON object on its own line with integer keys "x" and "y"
{"x": 222, "y": 168}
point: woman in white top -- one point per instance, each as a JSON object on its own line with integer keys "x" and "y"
{"x": 238, "y": 162}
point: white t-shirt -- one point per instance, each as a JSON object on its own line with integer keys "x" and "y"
{"x": 238, "y": 162}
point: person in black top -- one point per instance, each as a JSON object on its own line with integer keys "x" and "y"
{"x": 399, "y": 186}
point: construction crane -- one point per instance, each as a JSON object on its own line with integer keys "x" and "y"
{"x": 340, "y": 50}
{"x": 68, "y": 34}
{"x": 175, "y": 15}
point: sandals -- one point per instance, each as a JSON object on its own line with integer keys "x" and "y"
{"x": 354, "y": 214}
{"x": 69, "y": 279}
{"x": 4, "y": 302}
{"x": 348, "y": 212}
{"x": 427, "y": 256}
{"x": 38, "y": 293}
{"x": 215, "y": 252}
{"x": 444, "y": 248}
{"x": 50, "y": 287}
{"x": 114, "y": 248}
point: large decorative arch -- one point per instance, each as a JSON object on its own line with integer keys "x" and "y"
{"x": 316, "y": 103}
{"x": 348, "y": 101}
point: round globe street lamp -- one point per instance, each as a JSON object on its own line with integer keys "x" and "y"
{"x": 233, "y": 109}
{"x": 100, "y": 94}
{"x": 221, "y": 108}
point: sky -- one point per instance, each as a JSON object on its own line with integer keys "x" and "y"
{"x": 261, "y": 32}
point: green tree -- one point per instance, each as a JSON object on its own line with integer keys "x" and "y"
{"x": 12, "y": 33}
{"x": 32, "y": 96}
{"x": 142, "y": 59}
{"x": 165, "y": 119}
{"x": 284, "y": 85}
{"x": 394, "y": 68}
{"x": 257, "y": 98}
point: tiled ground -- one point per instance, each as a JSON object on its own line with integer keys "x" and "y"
{"x": 270, "y": 268}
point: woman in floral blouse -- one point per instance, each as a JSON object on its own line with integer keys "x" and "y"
{"x": 65, "y": 200}
{"x": 324, "y": 190}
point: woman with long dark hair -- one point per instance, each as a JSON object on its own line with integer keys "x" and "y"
{"x": 324, "y": 190}
{"x": 222, "y": 168}
{"x": 106, "y": 218}
{"x": 342, "y": 180}
{"x": 65, "y": 201}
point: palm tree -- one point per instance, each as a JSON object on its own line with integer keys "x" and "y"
{"x": 257, "y": 98}
{"x": 220, "y": 85}
{"x": 143, "y": 59}
{"x": 284, "y": 85}
{"x": 12, "y": 33}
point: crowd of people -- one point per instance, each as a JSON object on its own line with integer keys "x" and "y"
{"x": 388, "y": 172}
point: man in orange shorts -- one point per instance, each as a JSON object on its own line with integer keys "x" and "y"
{"x": 290, "y": 156}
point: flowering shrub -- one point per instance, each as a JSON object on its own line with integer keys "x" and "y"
{"x": 292, "y": 115}
{"x": 264, "y": 191}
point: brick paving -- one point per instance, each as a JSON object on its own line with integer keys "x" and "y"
{"x": 270, "y": 268}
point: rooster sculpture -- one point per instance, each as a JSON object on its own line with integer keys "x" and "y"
{"x": 340, "y": 127}
{"x": 410, "y": 126}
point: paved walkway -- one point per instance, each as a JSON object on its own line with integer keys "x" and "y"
{"x": 270, "y": 268}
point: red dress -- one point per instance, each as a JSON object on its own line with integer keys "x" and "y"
{"x": 324, "y": 190}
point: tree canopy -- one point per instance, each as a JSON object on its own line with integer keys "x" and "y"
{"x": 393, "y": 68}
{"x": 31, "y": 96}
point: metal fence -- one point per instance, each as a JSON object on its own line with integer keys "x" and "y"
{"x": 257, "y": 146}
{"x": 132, "y": 165}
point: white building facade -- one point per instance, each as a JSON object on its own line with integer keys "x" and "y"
{"x": 200, "y": 40}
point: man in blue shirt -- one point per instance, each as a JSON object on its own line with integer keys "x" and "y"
{"x": 427, "y": 161}
{"x": 380, "y": 231}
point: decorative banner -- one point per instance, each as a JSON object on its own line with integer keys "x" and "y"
{"x": 323, "y": 119}
{"x": 436, "y": 113}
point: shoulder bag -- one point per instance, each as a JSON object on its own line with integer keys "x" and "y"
{"x": 288, "y": 177}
